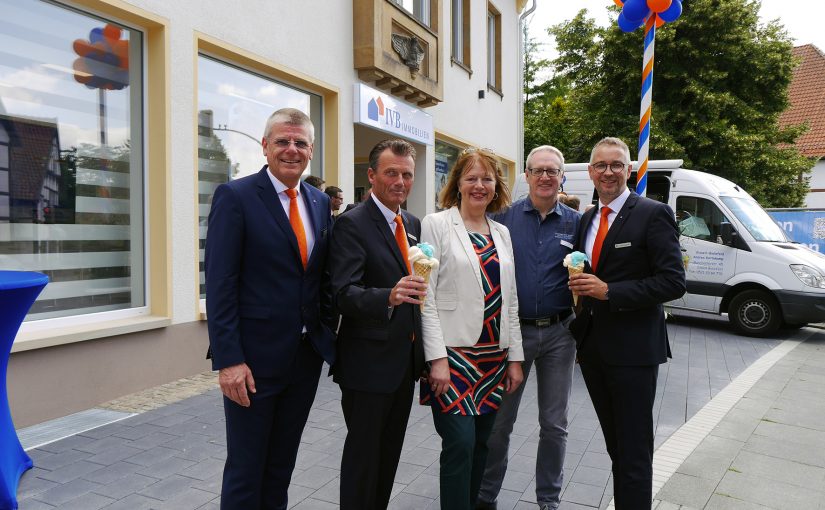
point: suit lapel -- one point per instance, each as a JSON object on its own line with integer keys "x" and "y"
{"x": 316, "y": 212}
{"x": 386, "y": 232}
{"x": 615, "y": 228}
{"x": 464, "y": 238}
{"x": 272, "y": 202}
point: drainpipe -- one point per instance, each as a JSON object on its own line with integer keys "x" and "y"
{"x": 520, "y": 162}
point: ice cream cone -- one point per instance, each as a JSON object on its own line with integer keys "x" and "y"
{"x": 423, "y": 268}
{"x": 571, "y": 270}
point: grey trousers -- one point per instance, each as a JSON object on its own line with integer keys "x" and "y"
{"x": 553, "y": 352}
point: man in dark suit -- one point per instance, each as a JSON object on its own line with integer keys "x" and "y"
{"x": 269, "y": 314}
{"x": 636, "y": 266}
{"x": 380, "y": 354}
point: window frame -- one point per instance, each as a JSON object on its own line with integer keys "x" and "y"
{"x": 156, "y": 183}
{"x": 460, "y": 36}
{"x": 494, "y": 50}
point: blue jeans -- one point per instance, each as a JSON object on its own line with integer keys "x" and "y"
{"x": 553, "y": 352}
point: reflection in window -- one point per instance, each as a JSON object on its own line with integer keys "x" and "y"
{"x": 699, "y": 218}
{"x": 446, "y": 156}
{"x": 420, "y": 9}
{"x": 233, "y": 106}
{"x": 71, "y": 168}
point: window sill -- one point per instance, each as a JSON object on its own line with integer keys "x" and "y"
{"x": 27, "y": 341}
{"x": 461, "y": 65}
{"x": 492, "y": 88}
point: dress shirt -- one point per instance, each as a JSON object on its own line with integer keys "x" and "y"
{"x": 615, "y": 206}
{"x": 539, "y": 247}
{"x": 306, "y": 219}
{"x": 388, "y": 214}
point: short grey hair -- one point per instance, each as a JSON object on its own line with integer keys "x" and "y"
{"x": 292, "y": 117}
{"x": 544, "y": 148}
{"x": 612, "y": 141}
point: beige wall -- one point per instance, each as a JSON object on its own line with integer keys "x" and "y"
{"x": 48, "y": 383}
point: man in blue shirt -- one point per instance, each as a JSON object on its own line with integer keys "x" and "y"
{"x": 543, "y": 231}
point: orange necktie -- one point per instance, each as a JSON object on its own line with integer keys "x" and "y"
{"x": 600, "y": 235}
{"x": 401, "y": 239}
{"x": 297, "y": 224}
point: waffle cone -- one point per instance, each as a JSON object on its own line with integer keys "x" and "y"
{"x": 571, "y": 271}
{"x": 422, "y": 269}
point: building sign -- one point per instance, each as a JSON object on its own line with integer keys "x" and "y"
{"x": 806, "y": 226}
{"x": 382, "y": 111}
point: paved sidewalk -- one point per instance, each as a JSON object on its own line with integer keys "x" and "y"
{"x": 769, "y": 450}
{"x": 172, "y": 456}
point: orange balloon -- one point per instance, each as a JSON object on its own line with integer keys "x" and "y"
{"x": 658, "y": 5}
{"x": 82, "y": 47}
{"x": 111, "y": 32}
{"x": 659, "y": 21}
{"x": 620, "y": 3}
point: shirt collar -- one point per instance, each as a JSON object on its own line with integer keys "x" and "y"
{"x": 388, "y": 214}
{"x": 529, "y": 207}
{"x": 617, "y": 204}
{"x": 279, "y": 186}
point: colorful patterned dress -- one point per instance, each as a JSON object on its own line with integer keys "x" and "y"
{"x": 477, "y": 372}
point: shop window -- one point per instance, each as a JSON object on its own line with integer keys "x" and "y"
{"x": 71, "y": 158}
{"x": 460, "y": 24}
{"x": 493, "y": 49}
{"x": 233, "y": 106}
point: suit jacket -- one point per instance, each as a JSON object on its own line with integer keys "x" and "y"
{"x": 374, "y": 343}
{"x": 259, "y": 297}
{"x": 450, "y": 320}
{"x": 641, "y": 262}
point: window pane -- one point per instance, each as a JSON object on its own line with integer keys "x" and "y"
{"x": 420, "y": 9}
{"x": 233, "y": 106}
{"x": 699, "y": 218}
{"x": 491, "y": 49}
{"x": 71, "y": 138}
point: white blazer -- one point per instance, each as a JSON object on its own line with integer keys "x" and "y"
{"x": 454, "y": 308}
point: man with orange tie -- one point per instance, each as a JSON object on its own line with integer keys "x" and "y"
{"x": 380, "y": 354}
{"x": 636, "y": 266}
{"x": 269, "y": 311}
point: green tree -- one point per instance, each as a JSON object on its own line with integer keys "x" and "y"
{"x": 720, "y": 83}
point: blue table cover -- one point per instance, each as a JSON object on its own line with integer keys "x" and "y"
{"x": 18, "y": 290}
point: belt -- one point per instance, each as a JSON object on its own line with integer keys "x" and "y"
{"x": 545, "y": 322}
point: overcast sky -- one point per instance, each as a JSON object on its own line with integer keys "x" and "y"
{"x": 802, "y": 18}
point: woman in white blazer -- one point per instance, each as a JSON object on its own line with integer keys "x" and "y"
{"x": 472, "y": 339}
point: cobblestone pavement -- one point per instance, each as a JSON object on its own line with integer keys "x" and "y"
{"x": 172, "y": 456}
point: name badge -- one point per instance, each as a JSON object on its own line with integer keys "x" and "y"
{"x": 622, "y": 245}
{"x": 565, "y": 243}
{"x": 412, "y": 237}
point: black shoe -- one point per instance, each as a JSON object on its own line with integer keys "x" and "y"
{"x": 483, "y": 505}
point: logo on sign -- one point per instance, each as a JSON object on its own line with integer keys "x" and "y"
{"x": 375, "y": 109}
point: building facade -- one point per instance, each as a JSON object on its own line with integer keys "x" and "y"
{"x": 119, "y": 119}
{"x": 807, "y": 106}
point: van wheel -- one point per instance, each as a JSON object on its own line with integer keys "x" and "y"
{"x": 755, "y": 313}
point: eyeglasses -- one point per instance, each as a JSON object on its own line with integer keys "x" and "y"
{"x": 282, "y": 143}
{"x": 538, "y": 172}
{"x": 615, "y": 167}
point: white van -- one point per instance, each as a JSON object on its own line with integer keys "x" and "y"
{"x": 737, "y": 259}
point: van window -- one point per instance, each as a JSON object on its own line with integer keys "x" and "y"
{"x": 699, "y": 218}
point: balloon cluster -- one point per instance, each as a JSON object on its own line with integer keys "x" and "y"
{"x": 104, "y": 59}
{"x": 635, "y": 12}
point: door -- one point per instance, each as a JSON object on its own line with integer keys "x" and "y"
{"x": 709, "y": 264}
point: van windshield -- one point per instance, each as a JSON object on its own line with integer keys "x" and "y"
{"x": 756, "y": 220}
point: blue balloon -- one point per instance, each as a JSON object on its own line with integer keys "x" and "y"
{"x": 96, "y": 35}
{"x": 673, "y": 12}
{"x": 635, "y": 10}
{"x": 627, "y": 25}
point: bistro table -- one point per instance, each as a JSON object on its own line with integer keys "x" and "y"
{"x": 18, "y": 290}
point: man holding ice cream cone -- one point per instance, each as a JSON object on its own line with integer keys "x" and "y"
{"x": 543, "y": 232}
